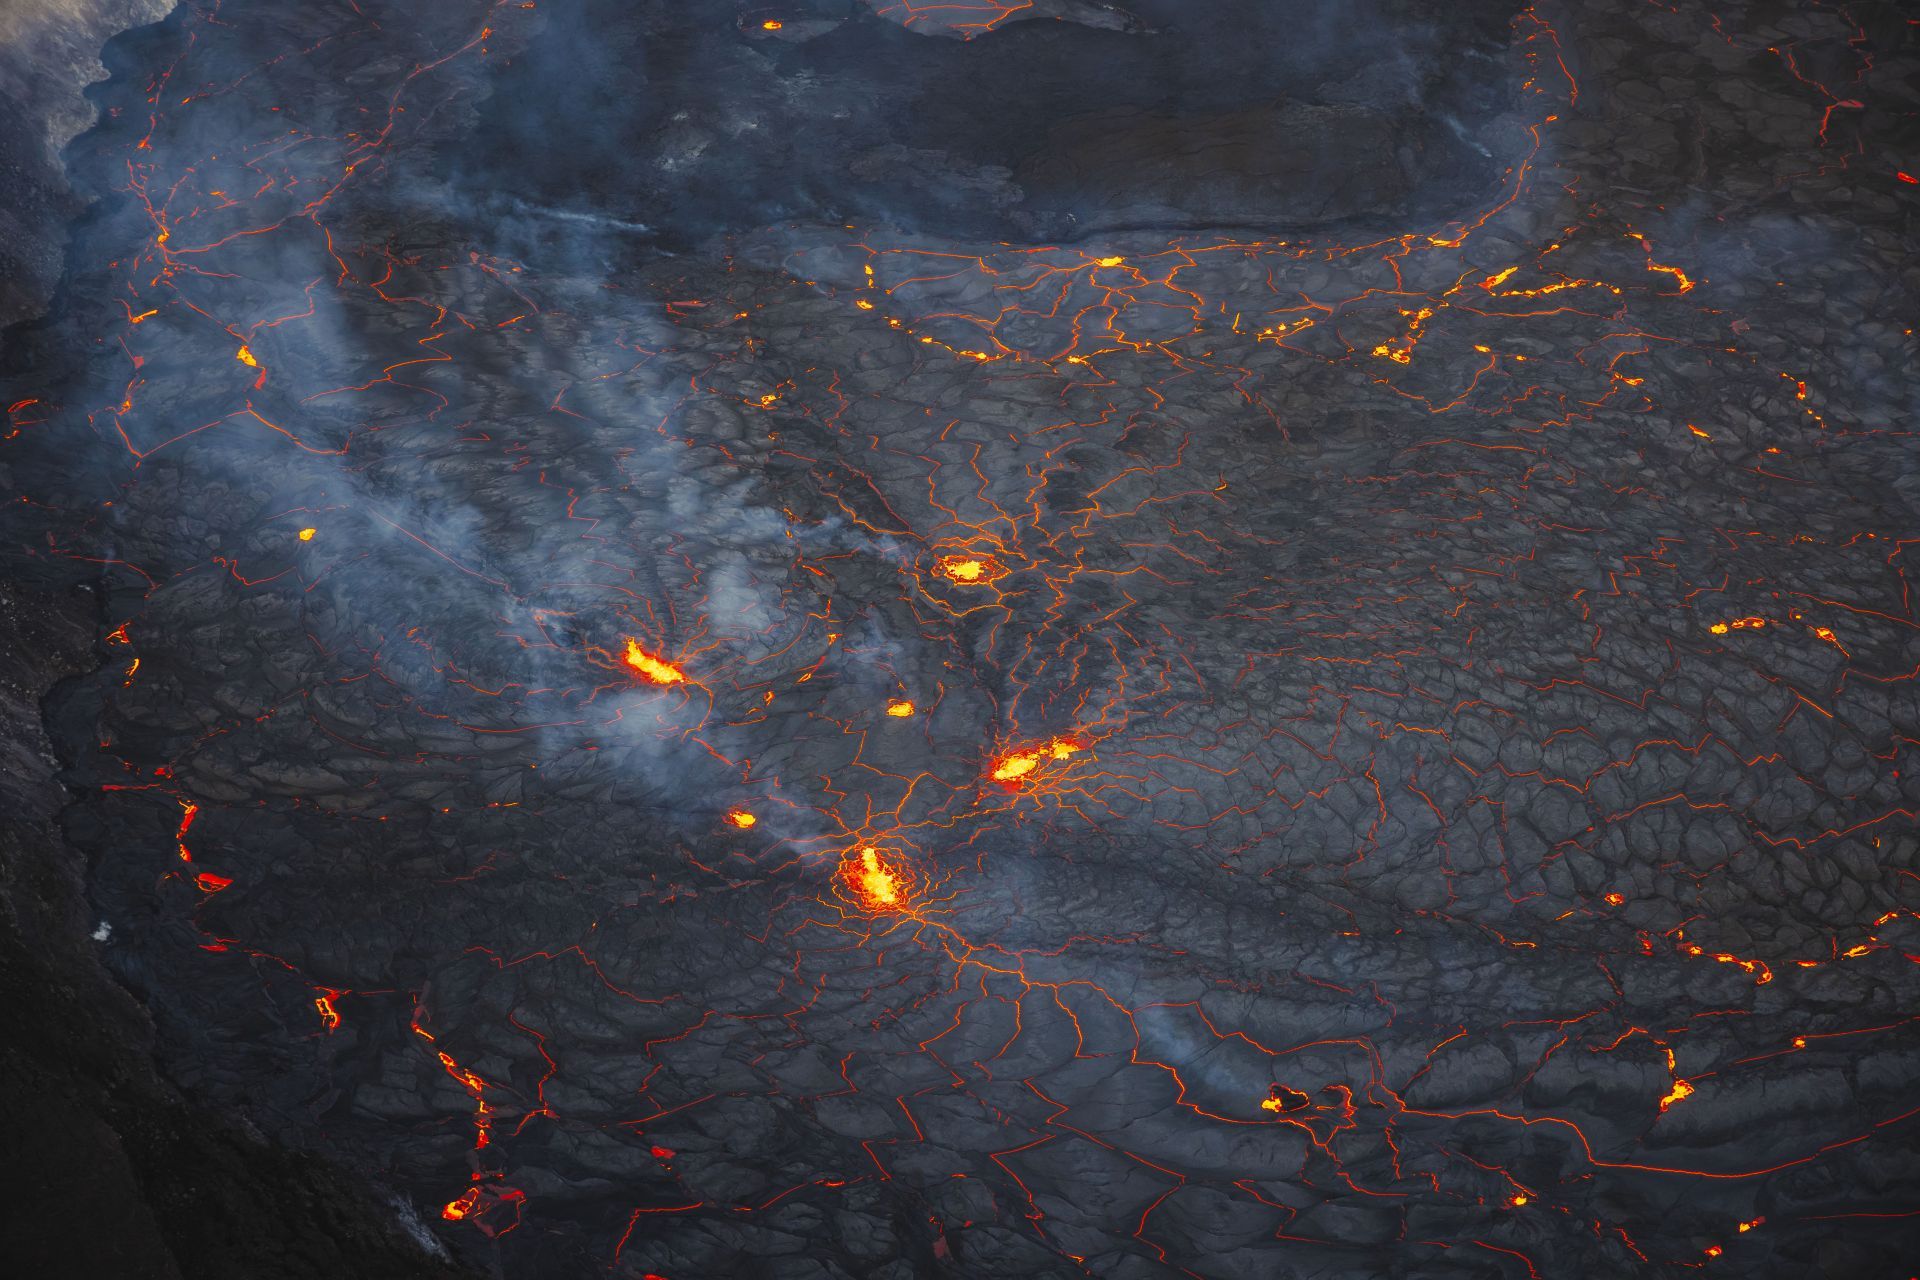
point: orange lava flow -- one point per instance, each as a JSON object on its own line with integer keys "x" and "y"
{"x": 741, "y": 818}
{"x": 899, "y": 708}
{"x": 651, "y": 669}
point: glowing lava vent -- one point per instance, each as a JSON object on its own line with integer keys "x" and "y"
{"x": 875, "y": 880}
{"x": 653, "y": 670}
{"x": 970, "y": 571}
{"x": 1016, "y": 769}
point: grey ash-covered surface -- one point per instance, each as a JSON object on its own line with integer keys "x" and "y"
{"x": 1394, "y": 536}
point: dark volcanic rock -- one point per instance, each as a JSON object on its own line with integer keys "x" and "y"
{"x": 1231, "y": 113}
{"x": 48, "y": 55}
{"x": 1170, "y": 639}
{"x": 110, "y": 1171}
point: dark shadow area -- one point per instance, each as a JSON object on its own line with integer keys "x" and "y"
{"x": 1257, "y": 113}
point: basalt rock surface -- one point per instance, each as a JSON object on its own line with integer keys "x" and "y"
{"x": 1233, "y": 646}
{"x": 48, "y": 56}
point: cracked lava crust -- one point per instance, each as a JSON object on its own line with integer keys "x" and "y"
{"x": 1010, "y": 639}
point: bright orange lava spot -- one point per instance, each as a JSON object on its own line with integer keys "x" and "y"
{"x": 329, "y": 1016}
{"x": 306, "y": 535}
{"x": 771, "y": 24}
{"x": 1615, "y": 899}
{"x": 741, "y": 818}
{"x": 1012, "y": 767}
{"x": 245, "y": 356}
{"x": 458, "y": 1209}
{"x": 652, "y": 669}
{"x": 899, "y": 708}
{"x": 970, "y": 570}
{"x": 1270, "y": 1104}
{"x": 1681, "y": 1089}
{"x": 1110, "y": 262}
{"x": 877, "y": 884}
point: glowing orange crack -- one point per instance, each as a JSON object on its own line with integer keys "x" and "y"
{"x": 1682, "y": 1089}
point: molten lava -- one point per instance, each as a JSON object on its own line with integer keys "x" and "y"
{"x": 1011, "y": 769}
{"x": 1681, "y": 1089}
{"x": 741, "y": 818}
{"x": 1738, "y": 624}
{"x": 458, "y": 1209}
{"x": 651, "y": 669}
{"x": 1281, "y": 1099}
{"x": 971, "y": 571}
{"x": 876, "y": 881}
{"x": 899, "y": 708}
